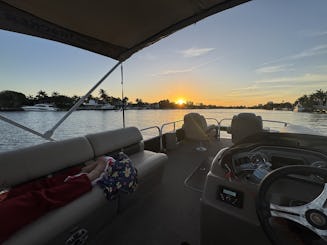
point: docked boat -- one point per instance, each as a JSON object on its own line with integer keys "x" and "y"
{"x": 93, "y": 105}
{"x": 298, "y": 108}
{"x": 260, "y": 186}
{"x": 107, "y": 107}
{"x": 40, "y": 107}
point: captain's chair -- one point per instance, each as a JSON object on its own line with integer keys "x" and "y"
{"x": 196, "y": 128}
{"x": 244, "y": 125}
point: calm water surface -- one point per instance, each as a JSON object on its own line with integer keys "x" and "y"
{"x": 85, "y": 122}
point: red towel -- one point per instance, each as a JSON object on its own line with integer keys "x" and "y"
{"x": 27, "y": 202}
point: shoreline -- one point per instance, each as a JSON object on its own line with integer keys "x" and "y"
{"x": 164, "y": 109}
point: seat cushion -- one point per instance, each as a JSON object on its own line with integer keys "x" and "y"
{"x": 58, "y": 221}
{"x": 195, "y": 127}
{"x": 147, "y": 162}
{"x": 244, "y": 125}
{"x": 113, "y": 140}
{"x": 26, "y": 164}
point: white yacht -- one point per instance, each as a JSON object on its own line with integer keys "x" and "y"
{"x": 40, "y": 107}
{"x": 257, "y": 187}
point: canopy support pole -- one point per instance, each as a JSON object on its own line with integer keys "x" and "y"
{"x": 50, "y": 132}
{"x": 47, "y": 135}
{"x": 122, "y": 93}
{"x": 24, "y": 128}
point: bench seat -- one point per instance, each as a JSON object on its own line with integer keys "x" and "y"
{"x": 149, "y": 165}
{"x": 147, "y": 162}
{"x": 61, "y": 223}
{"x": 90, "y": 211}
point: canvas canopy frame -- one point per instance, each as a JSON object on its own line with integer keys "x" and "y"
{"x": 116, "y": 29}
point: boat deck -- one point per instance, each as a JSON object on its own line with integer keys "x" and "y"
{"x": 170, "y": 214}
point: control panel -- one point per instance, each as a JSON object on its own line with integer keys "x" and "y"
{"x": 230, "y": 196}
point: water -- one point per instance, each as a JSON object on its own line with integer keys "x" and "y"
{"x": 85, "y": 122}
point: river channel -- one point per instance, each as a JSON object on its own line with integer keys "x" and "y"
{"x": 85, "y": 122}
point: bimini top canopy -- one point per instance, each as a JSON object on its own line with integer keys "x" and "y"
{"x": 116, "y": 29}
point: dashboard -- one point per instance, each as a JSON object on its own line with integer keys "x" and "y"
{"x": 253, "y": 165}
{"x": 230, "y": 196}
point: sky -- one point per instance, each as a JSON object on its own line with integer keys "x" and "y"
{"x": 251, "y": 54}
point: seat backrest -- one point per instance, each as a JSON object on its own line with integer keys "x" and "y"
{"x": 194, "y": 126}
{"x": 204, "y": 122}
{"x": 244, "y": 125}
{"x": 26, "y": 164}
{"x": 129, "y": 140}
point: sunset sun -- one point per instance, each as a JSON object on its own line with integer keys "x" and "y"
{"x": 180, "y": 101}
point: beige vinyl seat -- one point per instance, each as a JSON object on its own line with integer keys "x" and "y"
{"x": 82, "y": 218}
{"x": 196, "y": 128}
{"x": 85, "y": 213}
{"x": 244, "y": 125}
{"x": 149, "y": 164}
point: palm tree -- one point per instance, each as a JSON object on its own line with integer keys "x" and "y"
{"x": 139, "y": 101}
{"x": 318, "y": 97}
{"x": 103, "y": 95}
{"x": 75, "y": 98}
{"x": 41, "y": 96}
{"x": 125, "y": 101}
{"x": 54, "y": 94}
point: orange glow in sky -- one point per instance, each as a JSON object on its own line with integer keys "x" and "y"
{"x": 219, "y": 61}
{"x": 180, "y": 101}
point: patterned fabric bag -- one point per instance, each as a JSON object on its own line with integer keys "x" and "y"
{"x": 120, "y": 176}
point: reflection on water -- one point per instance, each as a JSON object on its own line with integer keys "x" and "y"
{"x": 85, "y": 122}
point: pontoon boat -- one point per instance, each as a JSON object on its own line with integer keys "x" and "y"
{"x": 259, "y": 187}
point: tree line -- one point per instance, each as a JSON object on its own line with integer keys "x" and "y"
{"x": 310, "y": 102}
{"x": 15, "y": 100}
{"x": 12, "y": 100}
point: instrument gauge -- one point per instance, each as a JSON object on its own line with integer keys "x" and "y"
{"x": 319, "y": 164}
{"x": 258, "y": 157}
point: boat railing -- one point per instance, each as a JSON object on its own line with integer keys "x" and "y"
{"x": 174, "y": 128}
{"x": 227, "y": 128}
{"x": 152, "y": 127}
{"x": 162, "y": 129}
{"x": 273, "y": 121}
{"x": 223, "y": 128}
{"x": 214, "y": 119}
{"x": 218, "y": 126}
{"x": 170, "y": 123}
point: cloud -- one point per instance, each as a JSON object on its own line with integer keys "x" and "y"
{"x": 246, "y": 88}
{"x": 314, "y": 51}
{"x": 195, "y": 52}
{"x": 281, "y": 85}
{"x": 273, "y": 69}
{"x": 299, "y": 79}
{"x": 318, "y": 50}
{"x": 171, "y": 72}
{"x": 177, "y": 71}
{"x": 246, "y": 94}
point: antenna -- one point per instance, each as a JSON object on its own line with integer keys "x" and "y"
{"x": 122, "y": 92}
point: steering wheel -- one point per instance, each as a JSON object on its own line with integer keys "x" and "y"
{"x": 311, "y": 215}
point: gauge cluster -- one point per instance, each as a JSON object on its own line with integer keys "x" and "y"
{"x": 255, "y": 164}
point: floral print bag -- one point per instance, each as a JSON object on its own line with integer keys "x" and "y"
{"x": 120, "y": 177}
